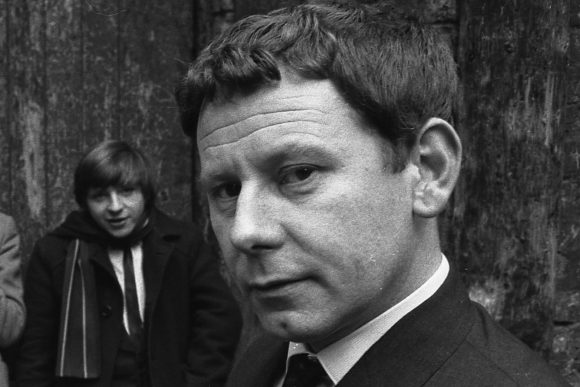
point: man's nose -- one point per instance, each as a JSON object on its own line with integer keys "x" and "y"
{"x": 256, "y": 227}
{"x": 115, "y": 203}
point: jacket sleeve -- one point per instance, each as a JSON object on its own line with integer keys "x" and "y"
{"x": 36, "y": 363}
{"x": 12, "y": 310}
{"x": 217, "y": 323}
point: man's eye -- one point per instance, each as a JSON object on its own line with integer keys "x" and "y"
{"x": 127, "y": 190}
{"x": 227, "y": 191}
{"x": 97, "y": 195}
{"x": 297, "y": 174}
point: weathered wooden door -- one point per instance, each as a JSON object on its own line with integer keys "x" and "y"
{"x": 503, "y": 227}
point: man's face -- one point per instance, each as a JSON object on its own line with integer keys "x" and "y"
{"x": 118, "y": 210}
{"x": 313, "y": 225}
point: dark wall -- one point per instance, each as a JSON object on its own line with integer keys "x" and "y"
{"x": 566, "y": 340}
{"x": 503, "y": 227}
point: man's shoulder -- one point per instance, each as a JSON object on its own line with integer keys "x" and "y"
{"x": 494, "y": 357}
{"x": 450, "y": 341}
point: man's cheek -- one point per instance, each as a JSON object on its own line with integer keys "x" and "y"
{"x": 220, "y": 231}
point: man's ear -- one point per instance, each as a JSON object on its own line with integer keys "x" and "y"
{"x": 437, "y": 154}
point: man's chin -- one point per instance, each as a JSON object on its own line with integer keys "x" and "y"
{"x": 291, "y": 325}
{"x": 118, "y": 233}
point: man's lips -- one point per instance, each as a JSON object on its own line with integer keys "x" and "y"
{"x": 273, "y": 285}
{"x": 116, "y": 221}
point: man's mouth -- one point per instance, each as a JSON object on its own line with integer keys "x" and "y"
{"x": 273, "y": 286}
{"x": 117, "y": 222}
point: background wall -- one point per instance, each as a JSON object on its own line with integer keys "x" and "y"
{"x": 75, "y": 73}
{"x": 566, "y": 339}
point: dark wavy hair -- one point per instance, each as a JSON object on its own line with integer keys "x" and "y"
{"x": 395, "y": 71}
{"x": 113, "y": 163}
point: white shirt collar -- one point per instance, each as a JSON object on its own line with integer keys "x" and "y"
{"x": 339, "y": 357}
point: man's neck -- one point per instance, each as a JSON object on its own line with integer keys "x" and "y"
{"x": 339, "y": 357}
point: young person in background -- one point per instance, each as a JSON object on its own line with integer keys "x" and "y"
{"x": 121, "y": 294}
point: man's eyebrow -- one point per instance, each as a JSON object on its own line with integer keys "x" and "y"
{"x": 298, "y": 148}
{"x": 265, "y": 160}
{"x": 293, "y": 149}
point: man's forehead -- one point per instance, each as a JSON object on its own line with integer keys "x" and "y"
{"x": 225, "y": 120}
{"x": 272, "y": 125}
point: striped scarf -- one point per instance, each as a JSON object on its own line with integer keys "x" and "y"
{"x": 79, "y": 347}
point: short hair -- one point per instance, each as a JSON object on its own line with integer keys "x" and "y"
{"x": 394, "y": 71}
{"x": 113, "y": 163}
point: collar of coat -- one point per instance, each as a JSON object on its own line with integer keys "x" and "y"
{"x": 407, "y": 355}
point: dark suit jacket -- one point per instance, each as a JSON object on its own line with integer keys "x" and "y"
{"x": 447, "y": 341}
{"x": 192, "y": 322}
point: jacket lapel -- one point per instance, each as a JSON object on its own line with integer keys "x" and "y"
{"x": 418, "y": 345}
{"x": 156, "y": 253}
{"x": 100, "y": 257}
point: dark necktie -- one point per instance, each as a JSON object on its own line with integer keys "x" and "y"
{"x": 131, "y": 300}
{"x": 304, "y": 370}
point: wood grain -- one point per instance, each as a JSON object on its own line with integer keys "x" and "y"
{"x": 503, "y": 224}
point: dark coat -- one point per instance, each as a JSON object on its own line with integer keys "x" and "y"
{"x": 192, "y": 322}
{"x": 448, "y": 341}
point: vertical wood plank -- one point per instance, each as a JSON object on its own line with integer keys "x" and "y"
{"x": 27, "y": 118}
{"x": 503, "y": 223}
{"x": 154, "y": 47}
{"x": 64, "y": 104}
{"x": 570, "y": 224}
{"x": 5, "y": 103}
{"x": 210, "y": 17}
{"x": 99, "y": 34}
{"x": 566, "y": 350}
